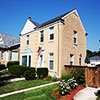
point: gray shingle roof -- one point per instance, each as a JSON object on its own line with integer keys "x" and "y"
{"x": 8, "y": 40}
{"x": 95, "y": 58}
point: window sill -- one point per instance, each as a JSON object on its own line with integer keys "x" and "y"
{"x": 75, "y": 44}
{"x": 50, "y": 70}
{"x": 51, "y": 41}
{"x": 41, "y": 43}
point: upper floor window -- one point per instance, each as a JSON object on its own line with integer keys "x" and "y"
{"x": 75, "y": 37}
{"x": 51, "y": 61}
{"x": 2, "y": 55}
{"x": 41, "y": 36}
{"x": 27, "y": 42}
{"x": 80, "y": 60}
{"x": 51, "y": 33}
{"x": 71, "y": 59}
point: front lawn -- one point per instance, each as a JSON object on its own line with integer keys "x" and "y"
{"x": 6, "y": 76}
{"x": 13, "y": 86}
{"x": 37, "y": 94}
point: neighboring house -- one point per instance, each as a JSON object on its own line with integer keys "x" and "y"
{"x": 94, "y": 61}
{"x": 9, "y": 48}
{"x": 53, "y": 44}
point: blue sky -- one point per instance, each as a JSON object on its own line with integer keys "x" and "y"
{"x": 14, "y": 13}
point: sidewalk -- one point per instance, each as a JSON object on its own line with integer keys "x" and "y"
{"x": 32, "y": 88}
{"x": 86, "y": 94}
{"x": 13, "y": 80}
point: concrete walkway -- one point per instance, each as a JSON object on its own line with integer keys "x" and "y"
{"x": 12, "y": 80}
{"x": 32, "y": 88}
{"x": 86, "y": 94}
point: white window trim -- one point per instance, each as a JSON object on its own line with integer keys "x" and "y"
{"x": 51, "y": 33}
{"x": 27, "y": 39}
{"x": 40, "y": 37}
{"x": 72, "y": 58}
{"x": 28, "y": 54}
{"x": 51, "y": 70}
{"x": 75, "y": 36}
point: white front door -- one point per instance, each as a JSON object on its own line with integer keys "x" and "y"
{"x": 41, "y": 60}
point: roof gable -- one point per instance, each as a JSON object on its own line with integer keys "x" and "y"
{"x": 29, "y": 26}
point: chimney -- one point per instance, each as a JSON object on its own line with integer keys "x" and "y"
{"x": 29, "y": 18}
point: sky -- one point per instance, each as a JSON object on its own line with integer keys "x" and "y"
{"x": 14, "y": 13}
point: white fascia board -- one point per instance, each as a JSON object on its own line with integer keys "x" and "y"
{"x": 74, "y": 11}
{"x": 13, "y": 45}
{"x": 29, "y": 26}
{"x": 42, "y": 28}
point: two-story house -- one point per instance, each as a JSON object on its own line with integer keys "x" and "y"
{"x": 9, "y": 48}
{"x": 53, "y": 44}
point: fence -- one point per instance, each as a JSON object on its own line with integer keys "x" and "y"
{"x": 92, "y": 74}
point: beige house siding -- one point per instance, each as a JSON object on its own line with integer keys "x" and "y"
{"x": 73, "y": 23}
{"x": 62, "y": 45}
{"x": 9, "y": 55}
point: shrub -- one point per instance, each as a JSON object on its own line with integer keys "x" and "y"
{"x": 66, "y": 75}
{"x": 2, "y": 67}
{"x": 18, "y": 70}
{"x": 42, "y": 73}
{"x": 72, "y": 83}
{"x": 11, "y": 63}
{"x": 79, "y": 75}
{"x": 48, "y": 78}
{"x": 30, "y": 74}
{"x": 64, "y": 88}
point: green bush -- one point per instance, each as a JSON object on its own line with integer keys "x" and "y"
{"x": 18, "y": 70}
{"x": 30, "y": 74}
{"x": 79, "y": 75}
{"x": 66, "y": 75}
{"x": 42, "y": 73}
{"x": 2, "y": 67}
{"x": 11, "y": 63}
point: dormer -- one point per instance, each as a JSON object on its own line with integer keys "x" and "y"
{"x": 29, "y": 26}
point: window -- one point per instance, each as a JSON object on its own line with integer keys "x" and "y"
{"x": 41, "y": 36}
{"x": 75, "y": 37}
{"x": 14, "y": 56}
{"x": 71, "y": 59}
{"x": 80, "y": 60}
{"x": 2, "y": 55}
{"x": 27, "y": 42}
{"x": 51, "y": 62}
{"x": 51, "y": 33}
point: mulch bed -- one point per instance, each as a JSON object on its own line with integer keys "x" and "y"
{"x": 70, "y": 96}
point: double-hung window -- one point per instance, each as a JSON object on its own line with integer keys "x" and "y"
{"x": 51, "y": 33}
{"x": 41, "y": 36}
{"x": 75, "y": 37}
{"x": 51, "y": 61}
{"x": 71, "y": 59}
{"x": 27, "y": 42}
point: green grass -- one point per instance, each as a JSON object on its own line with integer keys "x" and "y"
{"x": 37, "y": 94}
{"x": 6, "y": 76}
{"x": 9, "y": 87}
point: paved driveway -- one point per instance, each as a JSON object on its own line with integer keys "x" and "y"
{"x": 86, "y": 94}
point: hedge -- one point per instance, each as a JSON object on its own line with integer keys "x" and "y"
{"x": 11, "y": 63}
{"x": 18, "y": 70}
{"x": 42, "y": 73}
{"x": 2, "y": 67}
{"x": 30, "y": 74}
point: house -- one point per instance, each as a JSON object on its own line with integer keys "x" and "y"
{"x": 95, "y": 60}
{"x": 9, "y": 48}
{"x": 53, "y": 44}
